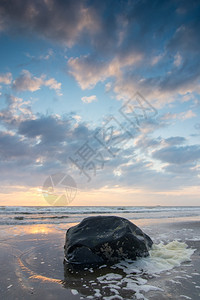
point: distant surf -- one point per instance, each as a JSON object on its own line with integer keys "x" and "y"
{"x": 13, "y": 215}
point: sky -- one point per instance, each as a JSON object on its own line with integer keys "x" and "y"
{"x": 100, "y": 99}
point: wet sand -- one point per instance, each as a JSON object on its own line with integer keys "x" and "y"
{"x": 31, "y": 260}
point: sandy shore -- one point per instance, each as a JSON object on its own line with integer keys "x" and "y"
{"x": 31, "y": 259}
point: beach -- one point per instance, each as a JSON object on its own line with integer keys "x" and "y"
{"x": 31, "y": 256}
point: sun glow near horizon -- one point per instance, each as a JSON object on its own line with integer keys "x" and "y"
{"x": 106, "y": 196}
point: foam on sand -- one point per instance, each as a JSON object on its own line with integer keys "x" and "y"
{"x": 162, "y": 258}
{"x": 165, "y": 257}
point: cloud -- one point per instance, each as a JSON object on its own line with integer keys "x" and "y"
{"x": 122, "y": 44}
{"x": 178, "y": 155}
{"x": 188, "y": 115}
{"x": 11, "y": 147}
{"x": 161, "y": 74}
{"x": 47, "y": 56}
{"x": 177, "y": 60}
{"x": 184, "y": 169}
{"x": 53, "y": 85}
{"x": 179, "y": 116}
{"x": 88, "y": 70}
{"x": 186, "y": 36}
{"x": 38, "y": 146}
{"x": 158, "y": 60}
{"x": 145, "y": 144}
{"x": 27, "y": 82}
{"x": 89, "y": 99}
{"x": 50, "y": 129}
{"x": 6, "y": 78}
{"x": 64, "y": 21}
{"x": 16, "y": 111}
{"x": 108, "y": 87}
{"x": 175, "y": 140}
{"x": 44, "y": 144}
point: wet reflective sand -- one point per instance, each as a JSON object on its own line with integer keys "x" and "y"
{"x": 31, "y": 259}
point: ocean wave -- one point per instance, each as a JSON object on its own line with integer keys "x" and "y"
{"x": 43, "y": 215}
{"x": 91, "y": 209}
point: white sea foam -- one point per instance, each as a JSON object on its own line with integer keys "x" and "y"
{"x": 194, "y": 239}
{"x": 165, "y": 257}
{"x": 162, "y": 259}
{"x": 186, "y": 297}
{"x": 74, "y": 292}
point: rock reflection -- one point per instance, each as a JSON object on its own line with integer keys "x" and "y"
{"x": 106, "y": 281}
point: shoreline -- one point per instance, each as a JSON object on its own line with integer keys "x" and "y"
{"x": 31, "y": 257}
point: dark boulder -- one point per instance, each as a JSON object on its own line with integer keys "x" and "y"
{"x": 105, "y": 239}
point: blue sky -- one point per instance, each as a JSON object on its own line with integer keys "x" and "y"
{"x": 67, "y": 71}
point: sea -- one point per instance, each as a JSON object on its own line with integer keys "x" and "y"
{"x": 22, "y": 215}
